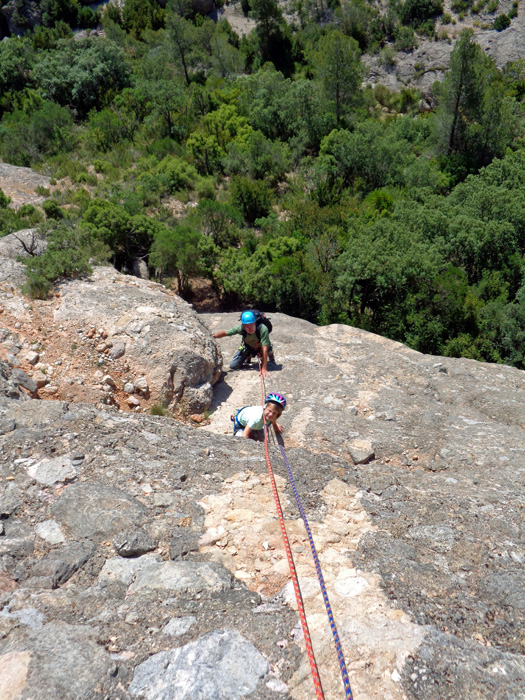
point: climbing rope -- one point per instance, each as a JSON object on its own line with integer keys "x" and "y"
{"x": 333, "y": 627}
{"x": 337, "y": 641}
{"x": 291, "y": 564}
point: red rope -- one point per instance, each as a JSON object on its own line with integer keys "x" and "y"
{"x": 300, "y": 605}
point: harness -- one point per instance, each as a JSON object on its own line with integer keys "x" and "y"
{"x": 236, "y": 424}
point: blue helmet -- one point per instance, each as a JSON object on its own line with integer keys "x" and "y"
{"x": 277, "y": 399}
{"x": 247, "y": 317}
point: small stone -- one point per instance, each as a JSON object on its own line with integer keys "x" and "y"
{"x": 40, "y": 379}
{"x": 197, "y": 417}
{"x": 50, "y": 531}
{"x": 51, "y": 471}
{"x": 132, "y": 401}
{"x": 141, "y": 385}
{"x": 133, "y": 543}
{"x": 117, "y": 350}
{"x": 32, "y": 357}
{"x": 163, "y": 500}
{"x": 129, "y": 388}
{"x": 109, "y": 381}
{"x": 361, "y": 451}
{"x": 183, "y": 542}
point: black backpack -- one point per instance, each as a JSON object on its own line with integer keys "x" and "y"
{"x": 260, "y": 318}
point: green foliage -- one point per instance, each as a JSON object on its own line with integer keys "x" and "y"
{"x": 416, "y": 12}
{"x": 158, "y": 410}
{"x": 54, "y": 11}
{"x": 140, "y": 15}
{"x": 258, "y": 158}
{"x": 501, "y": 22}
{"x": 375, "y": 155}
{"x": 49, "y": 37}
{"x": 175, "y": 251}
{"x": 405, "y": 38}
{"x": 4, "y": 199}
{"x": 16, "y": 60}
{"x": 336, "y": 63}
{"x": 70, "y": 252}
{"x": 170, "y": 176}
{"x": 220, "y": 222}
{"x": 252, "y": 197}
{"x": 475, "y": 122}
{"x": 82, "y": 74}
{"x": 38, "y": 130}
{"x": 52, "y": 210}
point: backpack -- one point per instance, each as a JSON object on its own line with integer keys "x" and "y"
{"x": 260, "y": 318}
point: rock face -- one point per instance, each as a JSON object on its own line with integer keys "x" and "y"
{"x": 106, "y": 336}
{"x": 21, "y": 183}
{"x": 142, "y": 558}
{"x": 430, "y": 60}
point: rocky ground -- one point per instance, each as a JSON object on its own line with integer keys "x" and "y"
{"x": 141, "y": 557}
{"x": 108, "y": 340}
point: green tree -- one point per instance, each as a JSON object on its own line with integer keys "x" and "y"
{"x": 38, "y": 130}
{"x": 175, "y": 251}
{"x": 336, "y": 63}
{"x": 16, "y": 61}
{"x": 183, "y": 36}
{"x": 475, "y": 121}
{"x": 139, "y": 15}
{"x": 54, "y": 11}
{"x": 83, "y": 74}
{"x": 252, "y": 197}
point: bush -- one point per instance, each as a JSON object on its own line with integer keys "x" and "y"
{"x": 501, "y": 22}
{"x": 36, "y": 131}
{"x": 415, "y": 12}
{"x": 52, "y": 210}
{"x": 82, "y": 74}
{"x": 405, "y": 38}
{"x": 69, "y": 253}
{"x": 252, "y": 197}
{"x": 4, "y": 200}
{"x": 30, "y": 214}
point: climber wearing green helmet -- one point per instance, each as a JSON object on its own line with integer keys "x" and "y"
{"x": 255, "y": 330}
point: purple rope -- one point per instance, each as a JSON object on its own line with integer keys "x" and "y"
{"x": 337, "y": 641}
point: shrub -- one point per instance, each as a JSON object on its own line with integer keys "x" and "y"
{"x": 4, "y": 199}
{"x": 252, "y": 197}
{"x": 158, "y": 410}
{"x": 501, "y": 22}
{"x": 415, "y": 12}
{"x": 30, "y": 214}
{"x": 69, "y": 253}
{"x": 38, "y": 130}
{"x": 405, "y": 38}
{"x": 52, "y": 210}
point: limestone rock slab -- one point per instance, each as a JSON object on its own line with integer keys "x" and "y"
{"x": 222, "y": 665}
{"x": 96, "y": 512}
